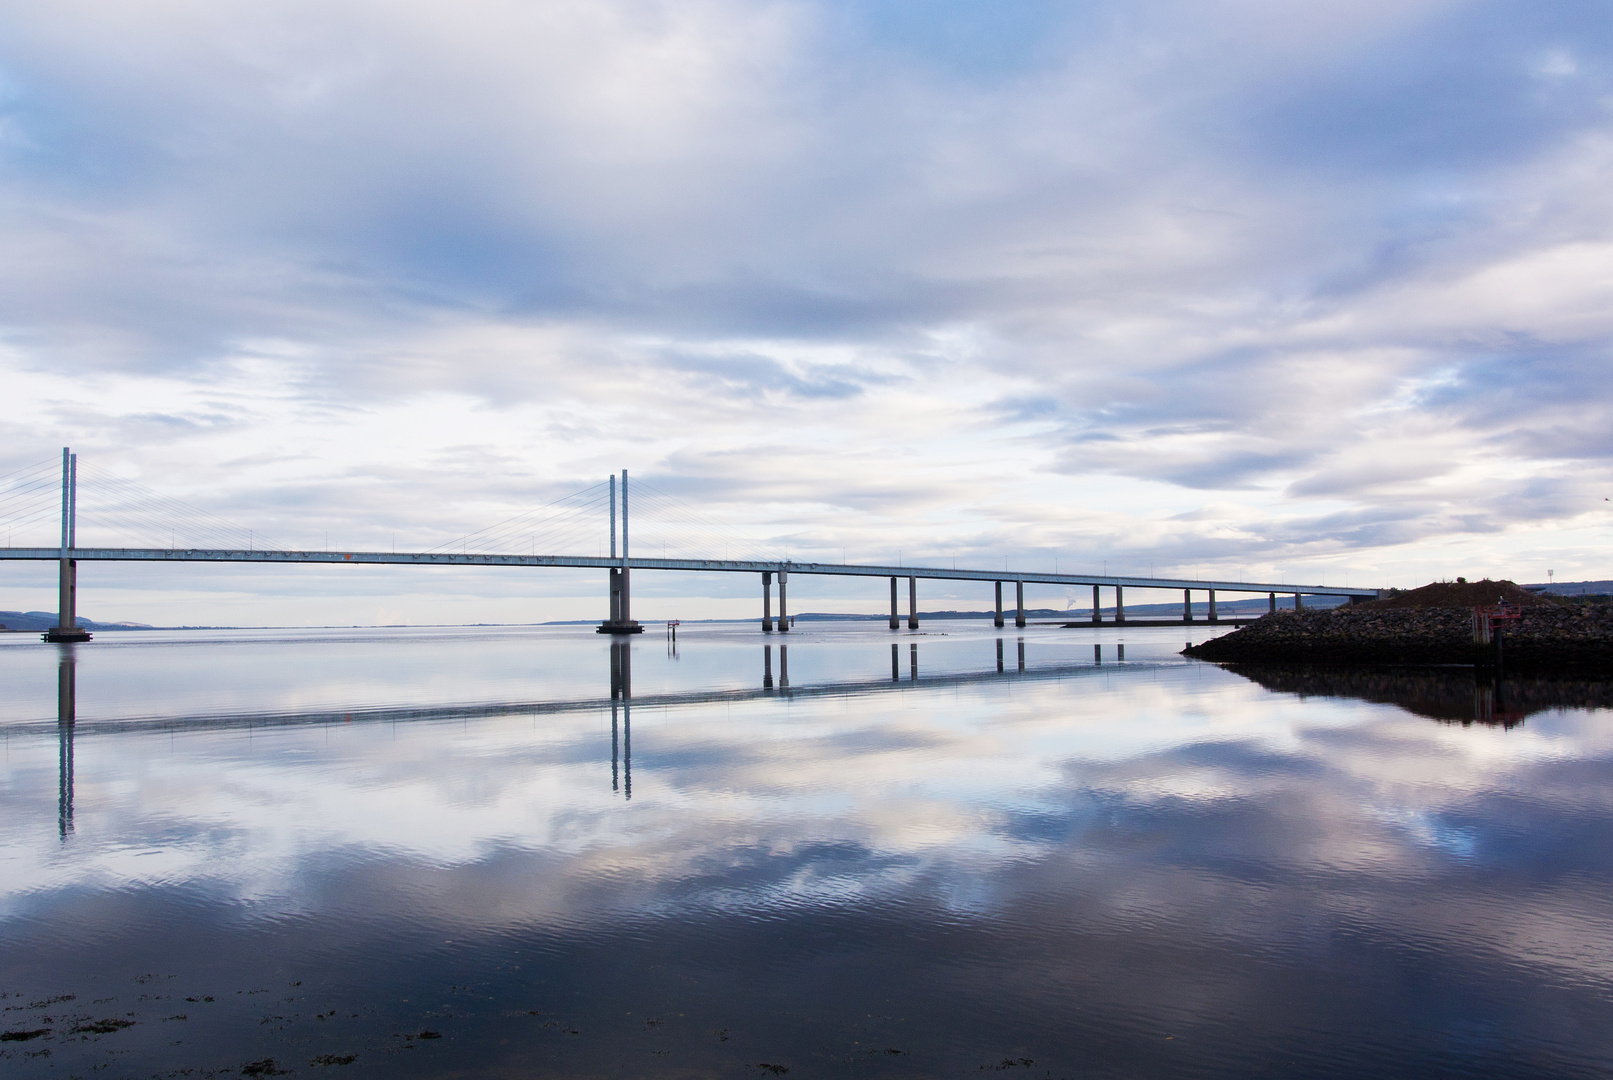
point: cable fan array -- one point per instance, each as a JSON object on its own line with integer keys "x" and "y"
{"x": 112, "y": 511}
{"x": 666, "y": 527}
{"x": 575, "y": 524}
{"x": 111, "y": 503}
{"x": 579, "y": 524}
{"x": 31, "y": 505}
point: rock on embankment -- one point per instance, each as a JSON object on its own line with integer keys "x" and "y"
{"x": 1545, "y": 638}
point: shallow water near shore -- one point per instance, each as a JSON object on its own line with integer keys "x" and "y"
{"x": 519, "y": 851}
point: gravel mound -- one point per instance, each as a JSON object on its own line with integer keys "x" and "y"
{"x": 1462, "y": 594}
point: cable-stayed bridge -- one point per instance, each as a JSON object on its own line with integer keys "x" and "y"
{"x": 32, "y": 499}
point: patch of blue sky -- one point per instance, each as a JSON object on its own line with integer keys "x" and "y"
{"x": 964, "y": 40}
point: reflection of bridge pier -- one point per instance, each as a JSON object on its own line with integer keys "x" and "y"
{"x": 621, "y": 695}
{"x": 66, "y": 719}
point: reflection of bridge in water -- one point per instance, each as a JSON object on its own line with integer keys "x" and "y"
{"x": 1445, "y": 695}
{"x": 620, "y": 703}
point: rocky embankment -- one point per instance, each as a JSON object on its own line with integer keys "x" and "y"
{"x": 1546, "y": 638}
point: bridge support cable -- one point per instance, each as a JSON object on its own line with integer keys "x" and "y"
{"x": 567, "y": 525}
{"x": 120, "y": 505}
{"x": 670, "y": 525}
{"x": 28, "y": 501}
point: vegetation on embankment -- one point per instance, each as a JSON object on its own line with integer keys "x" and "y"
{"x": 1435, "y": 627}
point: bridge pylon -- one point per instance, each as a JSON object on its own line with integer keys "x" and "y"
{"x": 621, "y": 592}
{"x": 67, "y": 628}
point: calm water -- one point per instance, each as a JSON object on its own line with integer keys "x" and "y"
{"x": 405, "y": 853}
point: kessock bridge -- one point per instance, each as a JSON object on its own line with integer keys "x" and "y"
{"x": 618, "y": 564}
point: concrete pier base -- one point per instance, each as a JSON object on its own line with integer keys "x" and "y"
{"x": 1097, "y": 612}
{"x": 1272, "y": 600}
{"x": 998, "y": 621}
{"x": 1187, "y": 605}
{"x": 783, "y": 615}
{"x": 1299, "y": 602}
{"x": 894, "y": 624}
{"x": 619, "y": 621}
{"x": 1120, "y": 603}
{"x": 912, "y": 603}
{"x": 1019, "y": 604}
{"x": 1213, "y": 616}
{"x": 767, "y": 601}
{"x": 67, "y": 628}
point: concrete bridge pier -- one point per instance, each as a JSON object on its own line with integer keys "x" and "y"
{"x": 1272, "y": 600}
{"x": 912, "y": 603}
{"x": 767, "y": 601}
{"x": 783, "y": 616}
{"x": 1019, "y": 604}
{"x": 1120, "y": 603}
{"x": 1097, "y": 612}
{"x": 1213, "y": 616}
{"x": 998, "y": 620}
{"x": 1299, "y": 602}
{"x": 894, "y": 624}
{"x": 1187, "y": 605}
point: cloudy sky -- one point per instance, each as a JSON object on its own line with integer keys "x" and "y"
{"x": 1304, "y": 292}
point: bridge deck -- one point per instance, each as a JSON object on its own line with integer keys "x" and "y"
{"x": 401, "y": 558}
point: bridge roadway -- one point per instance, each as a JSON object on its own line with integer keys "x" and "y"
{"x": 931, "y": 573}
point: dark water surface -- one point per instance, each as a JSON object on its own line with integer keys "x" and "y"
{"x": 401, "y": 853}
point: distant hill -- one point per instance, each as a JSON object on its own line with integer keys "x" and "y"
{"x": 1573, "y": 588}
{"x": 44, "y": 620}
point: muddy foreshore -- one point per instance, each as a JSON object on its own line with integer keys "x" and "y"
{"x": 1576, "y": 640}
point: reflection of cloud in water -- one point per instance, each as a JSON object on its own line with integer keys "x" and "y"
{"x": 1173, "y": 848}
